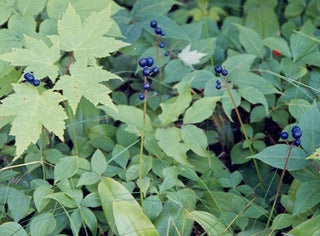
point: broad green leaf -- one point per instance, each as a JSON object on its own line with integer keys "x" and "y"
{"x": 175, "y": 70}
{"x": 198, "y": 78}
{"x": 39, "y": 194}
{"x": 251, "y": 41}
{"x": 169, "y": 141}
{"x": 63, "y": 199}
{"x": 30, "y": 7}
{"x": 86, "y": 82}
{"x": 98, "y": 162}
{"x": 18, "y": 204}
{"x": 76, "y": 222}
{"x": 66, "y": 168}
{"x": 297, "y": 108}
{"x": 111, "y": 191}
{"x": 174, "y": 107}
{"x": 200, "y": 110}
{"x": 307, "y": 196}
{"x": 12, "y": 228}
{"x": 227, "y": 103}
{"x": 293, "y": 70}
{"x": 90, "y": 219}
{"x": 211, "y": 224}
{"x": 32, "y": 111}
{"x": 279, "y": 44}
{"x": 5, "y": 10}
{"x": 238, "y": 63}
{"x": 88, "y": 178}
{"x": 312, "y": 59}
{"x": 276, "y": 156}
{"x": 86, "y": 39}
{"x": 42, "y": 224}
{"x": 133, "y": 172}
{"x": 151, "y": 7}
{"x": 130, "y": 220}
{"x": 253, "y": 96}
{"x": 23, "y": 25}
{"x": 310, "y": 126}
{"x": 170, "y": 178}
{"x": 121, "y": 155}
{"x": 130, "y": 115}
{"x": 282, "y": 221}
{"x": 37, "y": 57}
{"x": 91, "y": 200}
{"x": 153, "y": 206}
{"x": 195, "y": 138}
{"x": 309, "y": 227}
{"x": 7, "y": 81}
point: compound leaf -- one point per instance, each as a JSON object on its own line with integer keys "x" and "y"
{"x": 33, "y": 110}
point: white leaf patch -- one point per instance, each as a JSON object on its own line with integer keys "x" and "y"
{"x": 190, "y": 57}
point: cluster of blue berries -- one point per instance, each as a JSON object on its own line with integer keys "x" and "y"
{"x": 220, "y": 70}
{"x": 145, "y": 63}
{"x": 160, "y": 32}
{"x": 30, "y": 78}
{"x": 296, "y": 134}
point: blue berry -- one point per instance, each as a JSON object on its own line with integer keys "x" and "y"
{"x": 36, "y": 82}
{"x": 149, "y": 61}
{"x": 146, "y": 71}
{"x": 158, "y": 30}
{"x": 166, "y": 54}
{"x": 146, "y": 86}
{"x": 218, "y": 86}
{"x": 297, "y": 142}
{"x": 296, "y": 132}
{"x": 161, "y": 45}
{"x": 143, "y": 62}
{"x": 29, "y": 77}
{"x": 224, "y": 72}
{"x": 155, "y": 70}
{"x": 141, "y": 96}
{"x": 153, "y": 24}
{"x": 163, "y": 33}
{"x": 218, "y": 69}
{"x": 284, "y": 135}
{"x": 218, "y": 82}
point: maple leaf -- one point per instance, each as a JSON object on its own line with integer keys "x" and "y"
{"x": 87, "y": 39}
{"x": 33, "y": 110}
{"x": 37, "y": 56}
{"x": 85, "y": 81}
{"x": 190, "y": 57}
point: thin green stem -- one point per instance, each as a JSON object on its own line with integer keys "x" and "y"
{"x": 262, "y": 18}
{"x": 141, "y": 145}
{"x": 245, "y": 134}
{"x": 278, "y": 189}
{"x": 159, "y": 65}
{"x": 44, "y": 153}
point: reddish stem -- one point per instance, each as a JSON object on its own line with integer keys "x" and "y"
{"x": 69, "y": 63}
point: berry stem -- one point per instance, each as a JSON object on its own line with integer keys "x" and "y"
{"x": 278, "y": 189}
{"x": 44, "y": 153}
{"x": 159, "y": 65}
{"x": 69, "y": 63}
{"x": 141, "y": 144}
{"x": 244, "y": 133}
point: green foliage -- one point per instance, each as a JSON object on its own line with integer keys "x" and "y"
{"x": 81, "y": 154}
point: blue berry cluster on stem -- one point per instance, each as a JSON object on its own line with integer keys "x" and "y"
{"x": 159, "y": 32}
{"x": 30, "y": 78}
{"x": 218, "y": 69}
{"x": 146, "y": 63}
{"x": 296, "y": 134}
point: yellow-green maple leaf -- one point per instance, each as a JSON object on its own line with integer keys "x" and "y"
{"x": 86, "y": 81}
{"x": 87, "y": 39}
{"x": 33, "y": 110}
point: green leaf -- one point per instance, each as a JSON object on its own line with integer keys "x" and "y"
{"x": 195, "y": 138}
{"x": 88, "y": 178}
{"x": 132, "y": 116}
{"x": 37, "y": 57}
{"x": 174, "y": 107}
{"x": 310, "y": 227}
{"x": 169, "y": 140}
{"x": 153, "y": 206}
{"x": 90, "y": 219}
{"x": 211, "y": 224}
{"x": 307, "y": 196}
{"x": 31, "y": 7}
{"x": 5, "y": 10}
{"x": 227, "y": 103}
{"x": 98, "y": 162}
{"x": 63, "y": 199}
{"x": 200, "y": 110}
{"x": 251, "y": 41}
{"x": 39, "y": 196}
{"x": 293, "y": 70}
{"x": 122, "y": 155}
{"x": 66, "y": 168}
{"x": 276, "y": 156}
{"x": 279, "y": 44}
{"x": 42, "y": 224}
{"x": 33, "y": 111}
{"x": 282, "y": 221}
{"x": 18, "y": 204}
{"x": 87, "y": 39}
{"x": 310, "y": 126}
{"x": 170, "y": 178}
{"x": 297, "y": 108}
{"x": 86, "y": 82}
{"x": 151, "y": 7}
{"x": 91, "y": 200}
{"x": 253, "y": 96}
{"x": 130, "y": 220}
{"x": 12, "y": 228}
{"x": 7, "y": 81}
